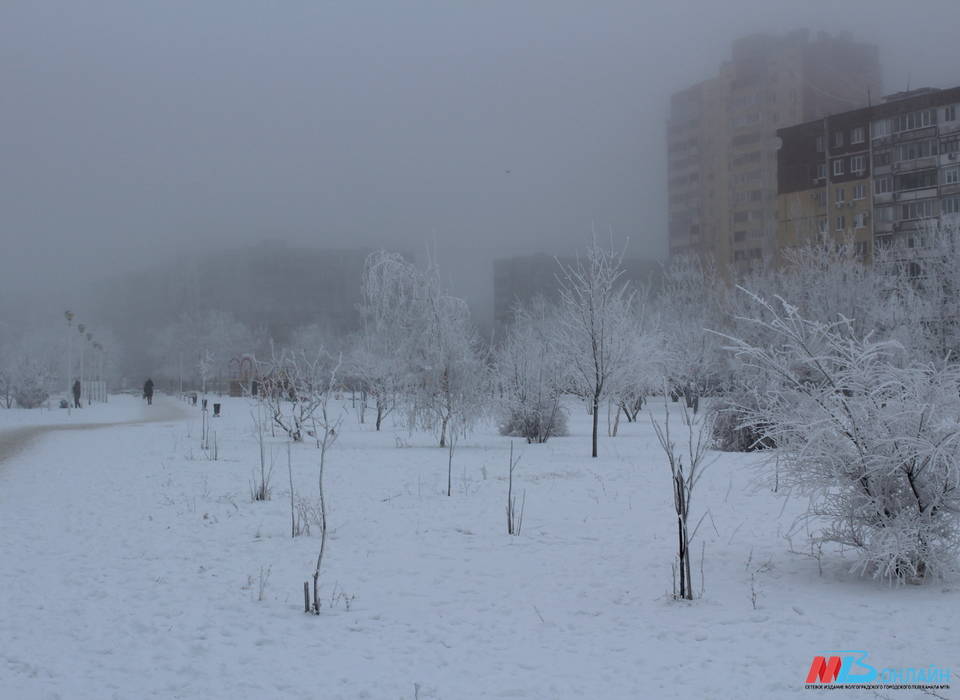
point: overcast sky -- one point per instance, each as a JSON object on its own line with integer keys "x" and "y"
{"x": 133, "y": 129}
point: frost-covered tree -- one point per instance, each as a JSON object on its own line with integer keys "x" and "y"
{"x": 30, "y": 367}
{"x": 391, "y": 315}
{"x": 689, "y": 303}
{"x": 530, "y": 376}
{"x": 421, "y": 341}
{"x": 449, "y": 376}
{"x": 870, "y": 436}
{"x": 920, "y": 286}
{"x": 294, "y": 385}
{"x": 200, "y": 342}
{"x": 595, "y": 331}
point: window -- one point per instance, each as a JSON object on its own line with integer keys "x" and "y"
{"x": 739, "y": 236}
{"x": 856, "y": 136}
{"x": 819, "y": 144}
{"x": 839, "y": 195}
{"x": 822, "y": 225}
{"x": 881, "y": 158}
{"x": 916, "y": 149}
{"x": 838, "y": 166}
{"x": 915, "y": 181}
{"x": 922, "y": 209}
{"x": 880, "y": 128}
{"x": 885, "y": 214}
{"x": 821, "y": 197}
{"x": 860, "y": 191}
{"x": 914, "y": 120}
{"x": 837, "y": 139}
{"x": 841, "y": 223}
{"x": 951, "y": 205}
{"x": 950, "y": 113}
{"x": 859, "y": 219}
{"x": 858, "y": 164}
{"x": 862, "y": 248}
{"x": 883, "y": 184}
{"x": 951, "y": 146}
{"x": 951, "y": 176}
{"x": 822, "y": 170}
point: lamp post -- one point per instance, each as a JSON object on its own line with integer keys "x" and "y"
{"x": 81, "y": 327}
{"x": 99, "y": 365}
{"x": 69, "y": 316}
{"x": 89, "y": 341}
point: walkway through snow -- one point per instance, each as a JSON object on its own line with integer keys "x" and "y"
{"x": 14, "y": 440}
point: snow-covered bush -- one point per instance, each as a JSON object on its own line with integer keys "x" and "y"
{"x": 731, "y": 429}
{"x": 6, "y": 388}
{"x": 30, "y": 384}
{"x": 537, "y": 421}
{"x": 873, "y": 439}
{"x": 530, "y": 377}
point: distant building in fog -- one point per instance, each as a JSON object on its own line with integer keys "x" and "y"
{"x": 722, "y": 137}
{"x": 272, "y": 288}
{"x": 876, "y": 174}
{"x": 521, "y": 279}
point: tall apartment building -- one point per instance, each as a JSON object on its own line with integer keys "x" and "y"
{"x": 876, "y": 174}
{"x": 722, "y": 137}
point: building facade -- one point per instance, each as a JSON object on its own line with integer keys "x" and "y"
{"x": 877, "y": 175}
{"x": 722, "y": 147}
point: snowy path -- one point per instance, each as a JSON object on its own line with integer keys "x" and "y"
{"x": 14, "y": 440}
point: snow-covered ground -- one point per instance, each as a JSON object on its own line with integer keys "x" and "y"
{"x": 132, "y": 567}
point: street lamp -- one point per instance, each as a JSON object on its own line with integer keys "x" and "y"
{"x": 99, "y": 366}
{"x": 89, "y": 340}
{"x": 81, "y": 327}
{"x": 69, "y": 316}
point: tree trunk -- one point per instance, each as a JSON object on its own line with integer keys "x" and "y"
{"x": 596, "y": 412}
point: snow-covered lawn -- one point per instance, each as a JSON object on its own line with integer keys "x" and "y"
{"x": 131, "y": 568}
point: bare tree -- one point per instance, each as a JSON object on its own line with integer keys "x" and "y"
{"x": 329, "y": 426}
{"x": 294, "y": 388}
{"x": 685, "y": 478}
{"x": 595, "y": 331}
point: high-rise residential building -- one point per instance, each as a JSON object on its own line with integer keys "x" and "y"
{"x": 722, "y": 137}
{"x": 877, "y": 174}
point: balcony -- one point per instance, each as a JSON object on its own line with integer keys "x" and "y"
{"x": 914, "y": 164}
{"x": 910, "y": 195}
{"x": 914, "y": 134}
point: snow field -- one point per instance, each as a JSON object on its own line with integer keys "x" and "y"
{"x": 133, "y": 565}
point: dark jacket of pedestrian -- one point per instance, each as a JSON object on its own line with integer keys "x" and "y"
{"x": 148, "y": 391}
{"x": 76, "y": 393}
